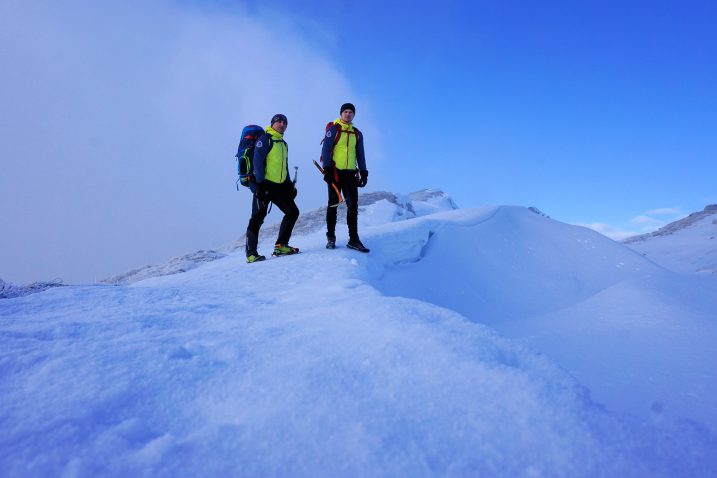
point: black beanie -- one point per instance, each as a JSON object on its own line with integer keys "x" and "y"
{"x": 278, "y": 117}
{"x": 347, "y": 106}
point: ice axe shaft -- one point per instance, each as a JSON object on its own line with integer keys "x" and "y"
{"x": 333, "y": 185}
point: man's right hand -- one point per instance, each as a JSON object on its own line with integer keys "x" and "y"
{"x": 262, "y": 193}
{"x": 330, "y": 174}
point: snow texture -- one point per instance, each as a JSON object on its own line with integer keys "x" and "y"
{"x": 336, "y": 363}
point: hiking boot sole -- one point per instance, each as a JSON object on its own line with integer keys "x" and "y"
{"x": 364, "y": 250}
{"x": 282, "y": 254}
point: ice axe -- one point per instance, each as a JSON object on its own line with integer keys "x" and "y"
{"x": 333, "y": 185}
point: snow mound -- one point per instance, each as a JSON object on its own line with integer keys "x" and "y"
{"x": 552, "y": 264}
{"x": 637, "y": 335}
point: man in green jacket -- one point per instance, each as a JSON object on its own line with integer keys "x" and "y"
{"x": 273, "y": 184}
{"x": 344, "y": 166}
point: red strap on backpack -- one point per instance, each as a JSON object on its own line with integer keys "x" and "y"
{"x": 336, "y": 139}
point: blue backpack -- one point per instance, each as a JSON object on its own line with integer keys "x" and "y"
{"x": 245, "y": 153}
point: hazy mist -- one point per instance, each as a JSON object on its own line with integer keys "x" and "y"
{"x": 119, "y": 124}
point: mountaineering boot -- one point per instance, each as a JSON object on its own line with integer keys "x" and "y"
{"x": 356, "y": 245}
{"x": 285, "y": 250}
{"x": 330, "y": 242}
{"x": 254, "y": 257}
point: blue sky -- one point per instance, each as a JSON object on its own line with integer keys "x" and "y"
{"x": 592, "y": 111}
{"x": 121, "y": 117}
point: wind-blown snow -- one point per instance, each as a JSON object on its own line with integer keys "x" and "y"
{"x": 303, "y": 366}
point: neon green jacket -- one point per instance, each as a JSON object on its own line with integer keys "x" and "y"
{"x": 271, "y": 157}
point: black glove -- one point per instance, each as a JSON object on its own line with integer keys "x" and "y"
{"x": 294, "y": 192}
{"x": 364, "y": 178}
{"x": 262, "y": 193}
{"x": 329, "y": 174}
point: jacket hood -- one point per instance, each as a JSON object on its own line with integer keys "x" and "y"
{"x": 343, "y": 125}
{"x": 274, "y": 133}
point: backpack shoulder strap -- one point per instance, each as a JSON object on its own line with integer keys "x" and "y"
{"x": 267, "y": 137}
{"x": 337, "y": 135}
{"x": 330, "y": 125}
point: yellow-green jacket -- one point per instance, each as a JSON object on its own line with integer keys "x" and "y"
{"x": 346, "y": 150}
{"x": 271, "y": 157}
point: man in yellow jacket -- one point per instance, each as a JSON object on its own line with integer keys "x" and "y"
{"x": 344, "y": 165}
{"x": 272, "y": 184}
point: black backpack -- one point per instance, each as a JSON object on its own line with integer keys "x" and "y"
{"x": 245, "y": 153}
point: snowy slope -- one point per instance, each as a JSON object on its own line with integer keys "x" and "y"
{"x": 639, "y": 337}
{"x": 687, "y": 245}
{"x": 302, "y": 366}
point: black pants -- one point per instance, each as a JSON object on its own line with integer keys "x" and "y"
{"x": 349, "y": 190}
{"x": 280, "y": 195}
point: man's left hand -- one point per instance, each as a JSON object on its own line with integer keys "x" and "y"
{"x": 364, "y": 178}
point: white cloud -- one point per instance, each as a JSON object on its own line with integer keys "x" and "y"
{"x": 665, "y": 211}
{"x": 647, "y": 221}
{"x": 642, "y": 224}
{"x": 120, "y": 121}
{"x": 613, "y": 232}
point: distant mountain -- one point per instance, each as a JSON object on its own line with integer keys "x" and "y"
{"x": 8, "y": 290}
{"x": 176, "y": 265}
{"x": 676, "y": 226}
{"x": 686, "y": 245}
{"x": 374, "y": 208}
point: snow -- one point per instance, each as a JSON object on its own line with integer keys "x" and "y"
{"x": 393, "y": 363}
